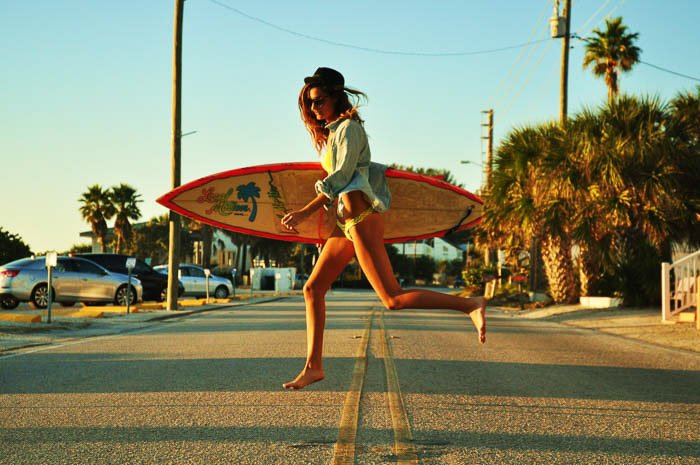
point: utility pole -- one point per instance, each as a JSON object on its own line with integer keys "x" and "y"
{"x": 564, "y": 87}
{"x": 489, "y": 147}
{"x": 174, "y": 236}
{"x": 490, "y": 256}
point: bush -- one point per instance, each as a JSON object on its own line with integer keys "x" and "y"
{"x": 476, "y": 275}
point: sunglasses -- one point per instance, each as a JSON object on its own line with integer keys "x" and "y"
{"x": 317, "y": 101}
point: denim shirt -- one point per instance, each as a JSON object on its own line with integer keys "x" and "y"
{"x": 352, "y": 168}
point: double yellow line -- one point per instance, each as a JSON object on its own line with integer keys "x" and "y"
{"x": 344, "y": 453}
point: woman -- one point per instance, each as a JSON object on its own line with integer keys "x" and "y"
{"x": 361, "y": 195}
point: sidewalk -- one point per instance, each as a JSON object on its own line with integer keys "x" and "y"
{"x": 642, "y": 324}
{"x": 83, "y": 322}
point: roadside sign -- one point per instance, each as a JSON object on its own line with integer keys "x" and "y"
{"x": 130, "y": 265}
{"x": 51, "y": 262}
{"x": 51, "y": 259}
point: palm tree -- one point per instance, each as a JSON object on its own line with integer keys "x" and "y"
{"x": 611, "y": 52}
{"x": 685, "y": 127}
{"x": 529, "y": 203}
{"x": 96, "y": 209}
{"x": 249, "y": 192}
{"x": 125, "y": 200}
{"x": 632, "y": 197}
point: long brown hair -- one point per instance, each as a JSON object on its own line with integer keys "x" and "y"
{"x": 343, "y": 107}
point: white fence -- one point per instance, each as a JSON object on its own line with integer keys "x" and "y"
{"x": 678, "y": 285}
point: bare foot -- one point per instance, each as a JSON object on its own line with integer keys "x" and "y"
{"x": 478, "y": 316}
{"x": 306, "y": 377}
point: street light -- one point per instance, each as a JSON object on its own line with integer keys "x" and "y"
{"x": 469, "y": 162}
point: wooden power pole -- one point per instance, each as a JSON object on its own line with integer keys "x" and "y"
{"x": 490, "y": 255}
{"x": 564, "y": 84}
{"x": 174, "y": 236}
{"x": 489, "y": 148}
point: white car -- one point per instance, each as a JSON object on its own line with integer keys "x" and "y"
{"x": 194, "y": 279}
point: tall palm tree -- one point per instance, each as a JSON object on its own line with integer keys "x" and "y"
{"x": 125, "y": 200}
{"x": 611, "y": 52}
{"x": 96, "y": 209}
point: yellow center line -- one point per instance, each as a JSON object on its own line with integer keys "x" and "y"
{"x": 403, "y": 440}
{"x": 344, "y": 452}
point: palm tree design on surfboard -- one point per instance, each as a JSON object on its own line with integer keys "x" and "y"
{"x": 221, "y": 204}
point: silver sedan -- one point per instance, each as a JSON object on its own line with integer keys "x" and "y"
{"x": 74, "y": 280}
{"x": 194, "y": 279}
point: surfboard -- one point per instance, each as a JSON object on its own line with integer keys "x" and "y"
{"x": 254, "y": 199}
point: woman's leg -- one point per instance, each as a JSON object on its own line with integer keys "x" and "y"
{"x": 369, "y": 247}
{"x": 368, "y": 238}
{"x": 336, "y": 253}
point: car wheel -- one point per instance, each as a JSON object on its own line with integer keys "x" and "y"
{"x": 9, "y": 302}
{"x": 120, "y": 296}
{"x": 40, "y": 296}
{"x": 67, "y": 304}
{"x": 221, "y": 292}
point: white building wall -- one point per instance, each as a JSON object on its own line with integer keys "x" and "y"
{"x": 441, "y": 250}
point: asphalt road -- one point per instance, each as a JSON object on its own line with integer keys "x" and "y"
{"x": 206, "y": 389}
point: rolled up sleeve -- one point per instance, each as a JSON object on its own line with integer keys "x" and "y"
{"x": 346, "y": 146}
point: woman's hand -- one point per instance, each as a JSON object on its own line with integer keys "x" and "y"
{"x": 292, "y": 219}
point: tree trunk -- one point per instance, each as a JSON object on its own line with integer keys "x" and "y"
{"x": 556, "y": 254}
{"x": 207, "y": 237}
{"x": 244, "y": 250}
{"x": 589, "y": 269}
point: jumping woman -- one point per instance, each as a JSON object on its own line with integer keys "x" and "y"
{"x": 356, "y": 189}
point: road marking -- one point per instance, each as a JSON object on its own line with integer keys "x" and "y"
{"x": 344, "y": 452}
{"x": 403, "y": 440}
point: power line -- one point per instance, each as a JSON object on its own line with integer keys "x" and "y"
{"x": 669, "y": 71}
{"x": 370, "y": 49}
{"x": 507, "y": 78}
{"x": 593, "y": 16}
{"x": 527, "y": 81}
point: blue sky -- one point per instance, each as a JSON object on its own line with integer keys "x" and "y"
{"x": 86, "y": 87}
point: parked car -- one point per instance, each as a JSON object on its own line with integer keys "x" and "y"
{"x": 155, "y": 285}
{"x": 74, "y": 280}
{"x": 194, "y": 279}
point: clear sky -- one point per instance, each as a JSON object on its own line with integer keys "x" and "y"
{"x": 85, "y": 86}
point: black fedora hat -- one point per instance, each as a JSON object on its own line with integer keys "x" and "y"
{"x": 326, "y": 77}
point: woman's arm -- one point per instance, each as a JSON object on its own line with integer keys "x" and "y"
{"x": 291, "y": 219}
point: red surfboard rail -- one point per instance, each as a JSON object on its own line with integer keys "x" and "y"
{"x": 402, "y": 209}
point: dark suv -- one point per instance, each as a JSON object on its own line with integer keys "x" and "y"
{"x": 155, "y": 285}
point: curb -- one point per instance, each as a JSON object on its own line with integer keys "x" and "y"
{"x": 15, "y": 318}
